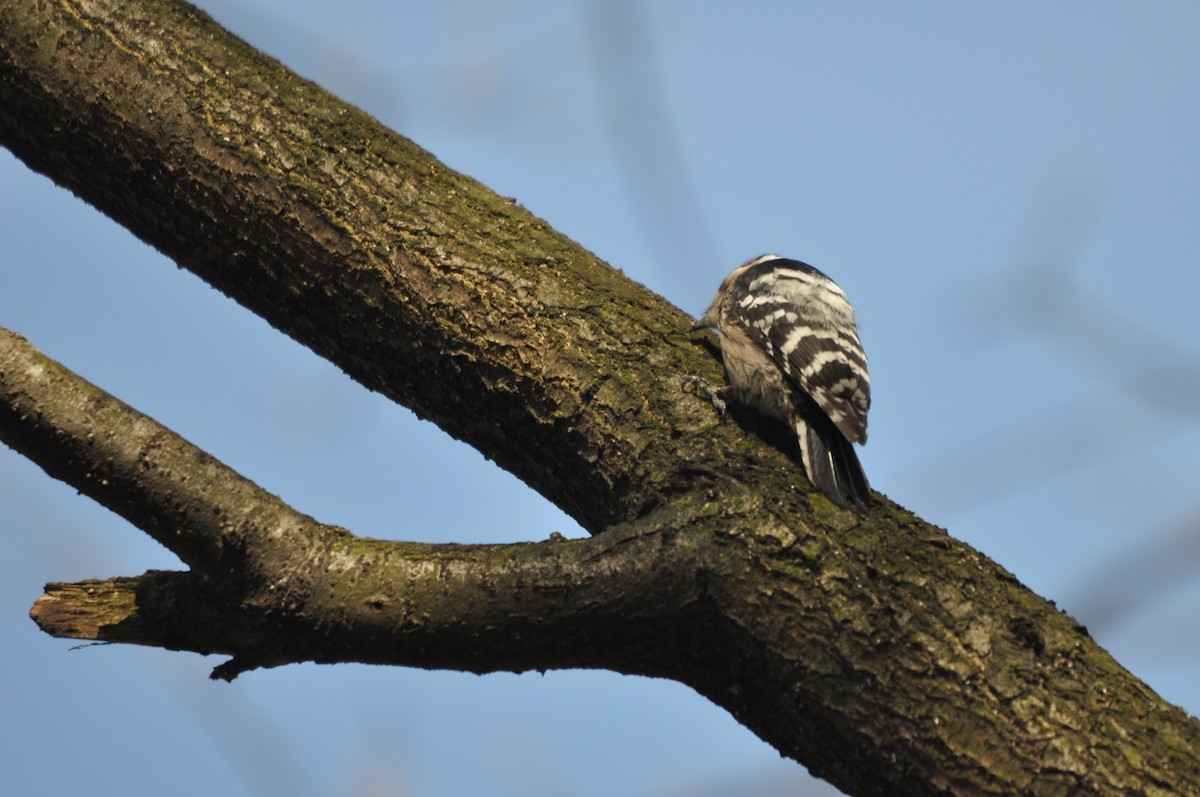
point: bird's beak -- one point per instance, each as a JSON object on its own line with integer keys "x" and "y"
{"x": 706, "y": 321}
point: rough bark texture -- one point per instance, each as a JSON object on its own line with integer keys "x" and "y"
{"x": 884, "y": 655}
{"x": 419, "y": 282}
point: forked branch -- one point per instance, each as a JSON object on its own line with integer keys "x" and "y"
{"x": 271, "y": 586}
{"x": 881, "y": 653}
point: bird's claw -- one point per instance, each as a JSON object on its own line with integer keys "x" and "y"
{"x": 701, "y": 386}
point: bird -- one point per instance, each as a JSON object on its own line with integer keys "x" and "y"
{"x": 791, "y": 351}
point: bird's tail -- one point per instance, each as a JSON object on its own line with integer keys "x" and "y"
{"x": 831, "y": 462}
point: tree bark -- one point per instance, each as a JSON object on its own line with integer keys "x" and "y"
{"x": 878, "y": 651}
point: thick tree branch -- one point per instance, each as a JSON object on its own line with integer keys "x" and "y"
{"x": 419, "y": 282}
{"x": 873, "y": 648}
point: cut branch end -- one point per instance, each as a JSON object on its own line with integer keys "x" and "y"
{"x": 88, "y": 609}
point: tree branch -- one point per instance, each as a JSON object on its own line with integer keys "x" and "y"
{"x": 271, "y": 586}
{"x": 881, "y": 653}
{"x": 420, "y": 283}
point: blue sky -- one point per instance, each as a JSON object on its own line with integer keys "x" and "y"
{"x": 1009, "y": 193}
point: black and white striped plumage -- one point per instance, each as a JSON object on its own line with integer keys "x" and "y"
{"x": 791, "y": 350}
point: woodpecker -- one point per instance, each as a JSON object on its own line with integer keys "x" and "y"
{"x": 789, "y": 341}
